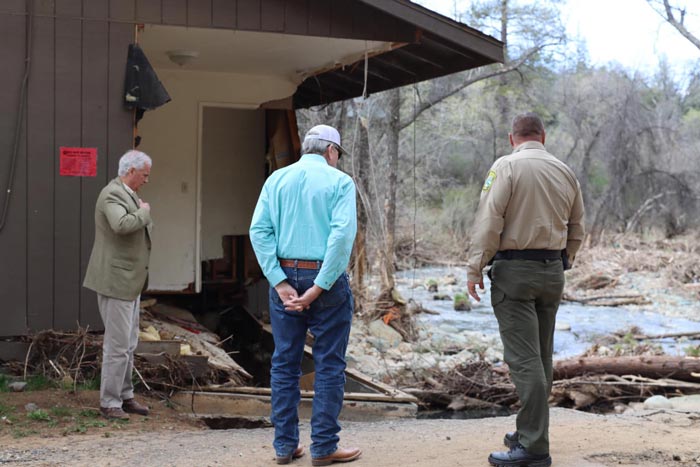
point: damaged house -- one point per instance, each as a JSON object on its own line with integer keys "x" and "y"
{"x": 235, "y": 71}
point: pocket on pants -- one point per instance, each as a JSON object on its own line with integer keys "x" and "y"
{"x": 497, "y": 295}
{"x": 337, "y": 294}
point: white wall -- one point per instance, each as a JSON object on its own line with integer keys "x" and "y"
{"x": 170, "y": 135}
{"x": 233, "y": 170}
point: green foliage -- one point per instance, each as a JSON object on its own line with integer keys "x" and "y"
{"x": 84, "y": 425}
{"x": 22, "y": 433}
{"x": 90, "y": 385}
{"x": 89, "y": 413}
{"x": 693, "y": 351}
{"x": 38, "y": 415}
{"x": 598, "y": 180}
{"x": 6, "y": 410}
{"x": 39, "y": 383}
{"x": 4, "y": 383}
{"x": 461, "y": 302}
{"x": 458, "y": 208}
{"x": 59, "y": 411}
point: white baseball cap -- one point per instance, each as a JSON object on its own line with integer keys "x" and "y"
{"x": 325, "y": 133}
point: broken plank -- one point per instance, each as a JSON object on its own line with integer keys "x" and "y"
{"x": 198, "y": 364}
{"x": 209, "y": 403}
{"x": 359, "y": 396}
{"x": 158, "y": 347}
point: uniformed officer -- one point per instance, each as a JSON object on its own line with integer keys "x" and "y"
{"x": 529, "y": 222}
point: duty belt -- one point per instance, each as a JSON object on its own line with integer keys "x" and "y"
{"x": 532, "y": 255}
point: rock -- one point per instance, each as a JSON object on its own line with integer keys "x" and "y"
{"x": 686, "y": 403}
{"x": 562, "y": 327}
{"x": 657, "y": 402}
{"x": 17, "y": 386}
{"x": 431, "y": 285}
{"x": 449, "y": 280}
{"x": 461, "y": 302}
{"x": 382, "y": 331}
{"x": 31, "y": 407}
{"x": 448, "y": 329}
{"x": 442, "y": 297}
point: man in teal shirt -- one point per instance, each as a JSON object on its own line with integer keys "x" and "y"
{"x": 302, "y": 232}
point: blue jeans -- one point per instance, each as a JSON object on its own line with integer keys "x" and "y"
{"x": 329, "y": 319}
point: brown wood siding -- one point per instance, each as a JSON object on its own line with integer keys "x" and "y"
{"x": 67, "y": 127}
{"x": 41, "y": 165}
{"x": 334, "y": 18}
{"x": 148, "y": 11}
{"x": 174, "y": 12}
{"x": 95, "y": 100}
{"x": 13, "y": 238}
{"x": 74, "y": 98}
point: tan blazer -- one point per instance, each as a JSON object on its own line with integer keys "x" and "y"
{"x": 118, "y": 266}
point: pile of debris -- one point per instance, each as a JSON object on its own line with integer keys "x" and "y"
{"x": 174, "y": 352}
{"x": 593, "y": 383}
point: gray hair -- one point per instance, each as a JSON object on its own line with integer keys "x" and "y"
{"x": 135, "y": 159}
{"x": 314, "y": 146}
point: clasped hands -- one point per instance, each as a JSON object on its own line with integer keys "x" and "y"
{"x": 291, "y": 299}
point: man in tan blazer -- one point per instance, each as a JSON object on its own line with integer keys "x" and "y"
{"x": 118, "y": 271}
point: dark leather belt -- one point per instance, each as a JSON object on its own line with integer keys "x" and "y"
{"x": 300, "y": 264}
{"x": 532, "y": 255}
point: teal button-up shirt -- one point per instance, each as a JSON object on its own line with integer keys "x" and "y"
{"x": 305, "y": 211}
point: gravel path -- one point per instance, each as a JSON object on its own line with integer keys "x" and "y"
{"x": 578, "y": 440}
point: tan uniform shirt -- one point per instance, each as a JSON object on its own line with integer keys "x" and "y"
{"x": 530, "y": 201}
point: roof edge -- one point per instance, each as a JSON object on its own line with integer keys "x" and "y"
{"x": 441, "y": 26}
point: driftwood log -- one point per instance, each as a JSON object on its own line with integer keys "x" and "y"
{"x": 661, "y": 366}
{"x": 608, "y": 299}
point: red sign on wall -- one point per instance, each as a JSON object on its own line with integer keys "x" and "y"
{"x": 78, "y": 162}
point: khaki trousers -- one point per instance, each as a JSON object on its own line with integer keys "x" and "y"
{"x": 121, "y": 320}
{"x": 525, "y": 296}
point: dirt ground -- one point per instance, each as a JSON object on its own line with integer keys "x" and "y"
{"x": 66, "y": 429}
{"x": 77, "y": 437}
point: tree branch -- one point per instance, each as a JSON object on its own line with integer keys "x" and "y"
{"x": 668, "y": 15}
{"x": 507, "y": 68}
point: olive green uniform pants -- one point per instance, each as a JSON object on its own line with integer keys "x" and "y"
{"x": 525, "y": 296}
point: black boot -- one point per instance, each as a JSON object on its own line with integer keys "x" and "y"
{"x": 519, "y": 456}
{"x": 511, "y": 439}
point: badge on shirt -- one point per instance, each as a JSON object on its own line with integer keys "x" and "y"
{"x": 489, "y": 180}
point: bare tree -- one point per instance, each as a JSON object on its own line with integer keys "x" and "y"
{"x": 675, "y": 16}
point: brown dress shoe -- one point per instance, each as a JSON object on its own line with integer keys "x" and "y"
{"x": 340, "y": 455}
{"x": 113, "y": 413}
{"x": 131, "y": 406}
{"x": 298, "y": 452}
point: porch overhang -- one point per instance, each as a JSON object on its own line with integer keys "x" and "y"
{"x": 440, "y": 47}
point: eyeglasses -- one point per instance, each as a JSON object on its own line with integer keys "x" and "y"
{"x": 337, "y": 149}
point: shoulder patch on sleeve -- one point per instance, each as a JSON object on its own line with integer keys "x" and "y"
{"x": 490, "y": 178}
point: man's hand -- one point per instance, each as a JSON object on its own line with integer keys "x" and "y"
{"x": 471, "y": 286}
{"x": 144, "y": 205}
{"x": 287, "y": 293}
{"x": 305, "y": 301}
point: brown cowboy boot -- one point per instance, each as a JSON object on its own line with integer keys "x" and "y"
{"x": 113, "y": 413}
{"x": 131, "y": 406}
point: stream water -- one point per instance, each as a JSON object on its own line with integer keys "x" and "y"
{"x": 578, "y": 326}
